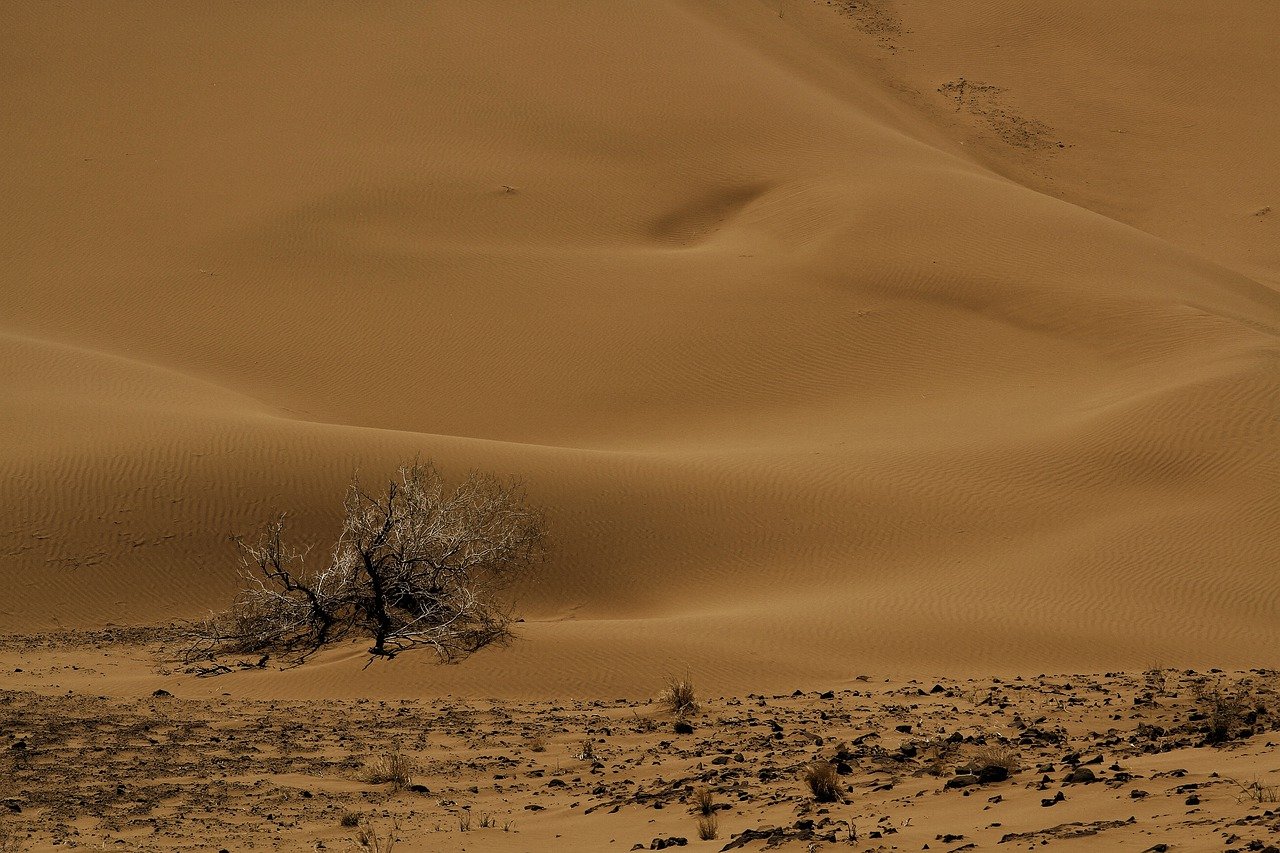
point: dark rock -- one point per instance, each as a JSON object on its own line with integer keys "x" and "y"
{"x": 1081, "y": 775}
{"x": 683, "y": 728}
{"x": 992, "y": 773}
{"x": 962, "y": 781}
{"x": 161, "y": 693}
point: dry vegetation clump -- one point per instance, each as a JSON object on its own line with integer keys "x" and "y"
{"x": 708, "y": 827}
{"x": 823, "y": 781}
{"x": 421, "y": 564}
{"x": 369, "y": 839}
{"x": 1257, "y": 792}
{"x": 679, "y": 697}
{"x": 1158, "y": 679}
{"x": 704, "y": 800}
{"x": 586, "y": 750}
{"x": 350, "y": 820}
{"x": 394, "y": 767}
{"x": 997, "y": 756}
{"x": 937, "y": 753}
{"x": 1227, "y": 711}
{"x": 537, "y": 744}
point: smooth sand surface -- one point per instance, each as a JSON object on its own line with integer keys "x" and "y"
{"x": 835, "y": 338}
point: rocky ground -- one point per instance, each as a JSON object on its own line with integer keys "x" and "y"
{"x": 1163, "y": 760}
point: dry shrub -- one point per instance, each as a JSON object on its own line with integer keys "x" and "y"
{"x": 586, "y": 750}
{"x": 704, "y": 801}
{"x": 997, "y": 756}
{"x": 394, "y": 767}
{"x": 369, "y": 839}
{"x": 351, "y": 820}
{"x": 423, "y": 564}
{"x": 1226, "y": 709}
{"x": 538, "y": 744}
{"x": 1158, "y": 679}
{"x": 708, "y": 827}
{"x": 937, "y": 754}
{"x": 823, "y": 781}
{"x": 679, "y": 697}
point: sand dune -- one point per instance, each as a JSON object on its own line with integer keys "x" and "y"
{"x": 835, "y": 337}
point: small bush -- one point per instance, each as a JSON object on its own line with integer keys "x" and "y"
{"x": 823, "y": 781}
{"x": 394, "y": 767}
{"x": 538, "y": 744}
{"x": 708, "y": 827}
{"x": 587, "y": 750}
{"x": 679, "y": 697}
{"x": 997, "y": 756}
{"x": 1225, "y": 710}
{"x": 351, "y": 820}
{"x": 1158, "y": 679}
{"x": 704, "y": 801}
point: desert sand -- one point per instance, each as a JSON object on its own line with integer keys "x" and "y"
{"x": 883, "y": 338}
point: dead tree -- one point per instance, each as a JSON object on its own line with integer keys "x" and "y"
{"x": 423, "y": 564}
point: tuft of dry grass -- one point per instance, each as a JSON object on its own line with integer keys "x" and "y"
{"x": 394, "y": 767}
{"x": 708, "y": 827}
{"x": 679, "y": 697}
{"x": 369, "y": 839}
{"x": 704, "y": 801}
{"x": 997, "y": 756}
{"x": 350, "y": 820}
{"x": 1258, "y": 792}
{"x": 823, "y": 781}
{"x": 538, "y": 744}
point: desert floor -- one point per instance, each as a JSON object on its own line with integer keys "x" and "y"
{"x": 918, "y": 341}
{"x": 1111, "y": 761}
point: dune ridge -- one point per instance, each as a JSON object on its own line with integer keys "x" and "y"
{"x": 815, "y": 370}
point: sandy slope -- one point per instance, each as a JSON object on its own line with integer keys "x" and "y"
{"x": 821, "y": 360}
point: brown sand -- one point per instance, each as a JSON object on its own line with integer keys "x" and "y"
{"x": 1106, "y": 762}
{"x": 836, "y": 337}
